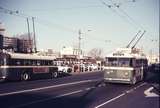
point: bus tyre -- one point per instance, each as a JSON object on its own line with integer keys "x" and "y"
{"x": 2, "y": 80}
{"x": 25, "y": 76}
{"x": 54, "y": 74}
{"x": 134, "y": 80}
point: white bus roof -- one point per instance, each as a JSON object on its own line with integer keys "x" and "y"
{"x": 126, "y": 53}
{"x": 30, "y": 56}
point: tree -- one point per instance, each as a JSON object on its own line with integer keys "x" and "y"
{"x": 95, "y": 53}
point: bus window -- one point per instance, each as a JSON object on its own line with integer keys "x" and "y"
{"x": 131, "y": 63}
{"x": 54, "y": 63}
{"x": 1, "y": 61}
{"x": 45, "y": 62}
{"x": 18, "y": 62}
{"x": 138, "y": 63}
{"x": 124, "y": 62}
{"x": 49, "y": 62}
{"x": 27, "y": 62}
{"x": 4, "y": 61}
{"x": 38, "y": 62}
{"x": 111, "y": 61}
{"x": 34, "y": 63}
{"x": 120, "y": 62}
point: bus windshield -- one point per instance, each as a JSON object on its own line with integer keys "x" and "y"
{"x": 119, "y": 62}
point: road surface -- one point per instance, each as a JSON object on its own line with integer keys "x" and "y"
{"x": 79, "y": 91}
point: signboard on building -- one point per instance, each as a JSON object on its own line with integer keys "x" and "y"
{"x": 16, "y": 44}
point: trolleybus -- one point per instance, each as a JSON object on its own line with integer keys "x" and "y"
{"x": 125, "y": 65}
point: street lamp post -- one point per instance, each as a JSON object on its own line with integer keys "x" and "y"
{"x": 79, "y": 42}
{"x": 79, "y": 47}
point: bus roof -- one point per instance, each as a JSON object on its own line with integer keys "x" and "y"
{"x": 126, "y": 53}
{"x": 30, "y": 56}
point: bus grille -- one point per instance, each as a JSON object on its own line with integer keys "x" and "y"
{"x": 117, "y": 74}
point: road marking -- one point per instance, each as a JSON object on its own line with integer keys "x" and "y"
{"x": 46, "y": 99}
{"x": 48, "y": 87}
{"x": 89, "y": 88}
{"x": 53, "y": 97}
{"x": 148, "y": 93}
{"x": 131, "y": 90}
{"x": 126, "y": 92}
{"x": 110, "y": 100}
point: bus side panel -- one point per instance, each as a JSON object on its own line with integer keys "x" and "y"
{"x": 15, "y": 73}
{"x": 145, "y": 73}
{"x": 53, "y": 69}
{"x": 39, "y": 70}
{"x": 3, "y": 73}
{"x": 139, "y": 73}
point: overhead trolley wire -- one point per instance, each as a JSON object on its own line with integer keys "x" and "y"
{"x": 38, "y": 20}
{"x": 11, "y": 12}
{"x": 126, "y": 14}
{"x": 130, "y": 18}
{"x": 52, "y": 24}
{"x": 67, "y": 8}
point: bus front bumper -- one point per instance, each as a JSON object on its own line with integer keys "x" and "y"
{"x": 117, "y": 80}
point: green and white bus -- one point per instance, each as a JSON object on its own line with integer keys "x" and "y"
{"x": 125, "y": 65}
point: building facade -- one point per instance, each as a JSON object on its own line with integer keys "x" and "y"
{"x": 153, "y": 59}
{"x": 16, "y": 44}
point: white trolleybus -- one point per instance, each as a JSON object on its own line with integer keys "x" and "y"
{"x": 125, "y": 65}
{"x": 16, "y": 66}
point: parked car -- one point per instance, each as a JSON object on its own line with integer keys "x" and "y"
{"x": 63, "y": 70}
{"x": 93, "y": 67}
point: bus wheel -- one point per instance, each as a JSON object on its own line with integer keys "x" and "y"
{"x": 25, "y": 76}
{"x": 134, "y": 80}
{"x": 2, "y": 80}
{"x": 54, "y": 74}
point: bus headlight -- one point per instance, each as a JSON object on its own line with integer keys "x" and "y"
{"x": 108, "y": 72}
{"x": 126, "y": 73}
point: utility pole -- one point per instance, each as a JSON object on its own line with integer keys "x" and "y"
{"x": 29, "y": 35}
{"x": 79, "y": 42}
{"x": 16, "y": 13}
{"x": 28, "y": 28}
{"x": 34, "y": 36}
{"x": 79, "y": 49}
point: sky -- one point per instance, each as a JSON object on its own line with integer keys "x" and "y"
{"x": 57, "y": 23}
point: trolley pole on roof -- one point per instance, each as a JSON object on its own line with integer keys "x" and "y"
{"x": 133, "y": 39}
{"x": 138, "y": 39}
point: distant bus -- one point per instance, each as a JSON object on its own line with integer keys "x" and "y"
{"x": 16, "y": 66}
{"x": 125, "y": 65}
